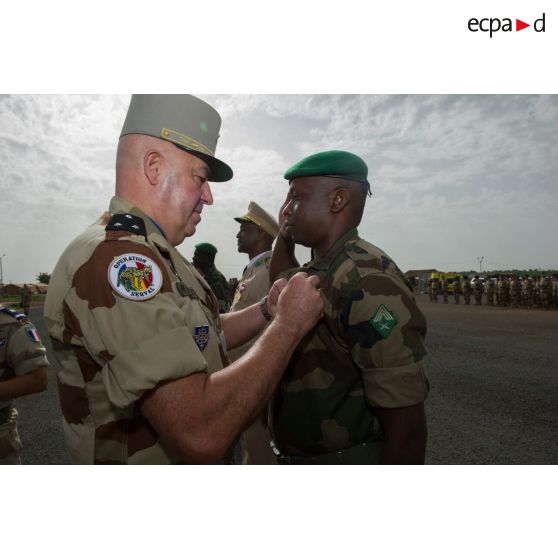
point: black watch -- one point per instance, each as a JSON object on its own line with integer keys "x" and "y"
{"x": 265, "y": 310}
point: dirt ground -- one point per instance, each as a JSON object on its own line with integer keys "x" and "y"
{"x": 493, "y": 398}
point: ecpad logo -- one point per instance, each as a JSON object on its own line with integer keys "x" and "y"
{"x": 493, "y": 25}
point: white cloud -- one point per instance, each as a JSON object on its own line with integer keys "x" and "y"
{"x": 454, "y": 177}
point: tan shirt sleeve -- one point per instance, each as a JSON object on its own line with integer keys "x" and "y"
{"x": 25, "y": 352}
{"x": 139, "y": 343}
{"x": 385, "y": 331}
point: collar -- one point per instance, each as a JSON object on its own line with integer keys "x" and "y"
{"x": 325, "y": 261}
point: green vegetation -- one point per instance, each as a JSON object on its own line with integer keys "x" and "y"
{"x": 43, "y": 277}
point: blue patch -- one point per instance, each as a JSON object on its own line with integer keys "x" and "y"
{"x": 201, "y": 336}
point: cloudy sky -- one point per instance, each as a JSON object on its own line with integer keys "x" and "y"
{"x": 454, "y": 178}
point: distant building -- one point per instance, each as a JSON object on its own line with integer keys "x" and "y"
{"x": 16, "y": 288}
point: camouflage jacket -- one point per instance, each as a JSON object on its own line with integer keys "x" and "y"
{"x": 21, "y": 350}
{"x": 220, "y": 287}
{"x": 365, "y": 352}
{"x": 125, "y": 311}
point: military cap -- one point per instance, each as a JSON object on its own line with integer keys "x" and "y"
{"x": 340, "y": 164}
{"x": 184, "y": 120}
{"x": 260, "y": 217}
{"x": 206, "y": 248}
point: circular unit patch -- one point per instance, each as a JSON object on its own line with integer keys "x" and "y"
{"x": 135, "y": 276}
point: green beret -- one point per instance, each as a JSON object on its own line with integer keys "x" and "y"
{"x": 206, "y": 248}
{"x": 330, "y": 163}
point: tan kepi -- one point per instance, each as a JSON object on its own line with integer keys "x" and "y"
{"x": 260, "y": 217}
{"x": 184, "y": 120}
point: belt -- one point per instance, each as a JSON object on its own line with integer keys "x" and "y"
{"x": 365, "y": 453}
{"x": 6, "y": 414}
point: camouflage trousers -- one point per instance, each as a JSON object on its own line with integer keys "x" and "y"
{"x": 10, "y": 444}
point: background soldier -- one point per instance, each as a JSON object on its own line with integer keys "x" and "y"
{"x": 456, "y": 289}
{"x": 23, "y": 371}
{"x": 25, "y": 301}
{"x": 501, "y": 291}
{"x": 466, "y": 291}
{"x": 546, "y": 292}
{"x": 204, "y": 261}
{"x": 258, "y": 229}
{"x": 490, "y": 288}
{"x": 555, "y": 292}
{"x": 478, "y": 290}
{"x": 435, "y": 289}
{"x": 515, "y": 290}
{"x": 445, "y": 289}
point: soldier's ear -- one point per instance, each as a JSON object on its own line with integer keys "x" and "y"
{"x": 339, "y": 199}
{"x": 153, "y": 166}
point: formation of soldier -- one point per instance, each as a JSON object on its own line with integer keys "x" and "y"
{"x": 512, "y": 291}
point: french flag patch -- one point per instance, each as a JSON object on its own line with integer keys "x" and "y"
{"x": 32, "y": 332}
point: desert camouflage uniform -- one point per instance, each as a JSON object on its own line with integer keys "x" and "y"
{"x": 25, "y": 300}
{"x": 515, "y": 290}
{"x": 546, "y": 292}
{"x": 365, "y": 352}
{"x": 251, "y": 288}
{"x": 490, "y": 289}
{"x": 112, "y": 350}
{"x": 220, "y": 287}
{"x": 466, "y": 291}
{"x": 445, "y": 291}
{"x": 478, "y": 291}
{"x": 435, "y": 290}
{"x": 456, "y": 289}
{"x": 21, "y": 352}
{"x": 501, "y": 289}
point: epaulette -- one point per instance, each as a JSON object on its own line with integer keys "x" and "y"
{"x": 20, "y": 316}
{"x": 127, "y": 222}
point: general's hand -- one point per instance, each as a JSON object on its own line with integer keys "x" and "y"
{"x": 273, "y": 296}
{"x": 300, "y": 303}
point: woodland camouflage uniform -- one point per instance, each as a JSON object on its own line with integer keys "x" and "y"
{"x": 367, "y": 351}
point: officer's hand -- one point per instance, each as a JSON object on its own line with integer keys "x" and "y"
{"x": 273, "y": 296}
{"x": 300, "y": 303}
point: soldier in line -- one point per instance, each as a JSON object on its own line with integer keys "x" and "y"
{"x": 456, "y": 289}
{"x": 546, "y": 292}
{"x": 445, "y": 289}
{"x": 144, "y": 375}
{"x": 466, "y": 291}
{"x": 258, "y": 230}
{"x": 515, "y": 291}
{"x": 354, "y": 391}
{"x": 555, "y": 292}
{"x": 478, "y": 290}
{"x": 25, "y": 300}
{"x": 435, "y": 289}
{"x": 490, "y": 289}
{"x": 204, "y": 262}
{"x": 23, "y": 371}
{"x": 501, "y": 288}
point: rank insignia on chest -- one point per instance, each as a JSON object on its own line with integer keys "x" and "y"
{"x": 2, "y": 341}
{"x": 383, "y": 321}
{"x": 201, "y": 336}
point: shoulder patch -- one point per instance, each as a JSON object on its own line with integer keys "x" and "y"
{"x": 383, "y": 321}
{"x": 135, "y": 277}
{"x": 126, "y": 222}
